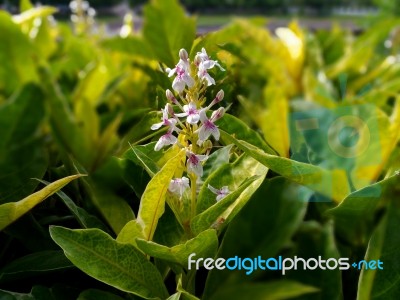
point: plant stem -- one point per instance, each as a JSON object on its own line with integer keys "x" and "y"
{"x": 193, "y": 188}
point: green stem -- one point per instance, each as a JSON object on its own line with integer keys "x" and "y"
{"x": 193, "y": 187}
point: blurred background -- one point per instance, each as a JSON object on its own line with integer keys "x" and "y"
{"x": 313, "y": 14}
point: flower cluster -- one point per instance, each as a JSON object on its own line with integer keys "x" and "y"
{"x": 189, "y": 122}
{"x": 82, "y": 15}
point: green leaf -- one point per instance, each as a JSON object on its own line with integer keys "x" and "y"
{"x": 25, "y": 5}
{"x": 175, "y": 296}
{"x": 204, "y": 245}
{"x": 138, "y": 157}
{"x": 64, "y": 127}
{"x": 232, "y": 176}
{"x": 35, "y": 264}
{"x": 9, "y": 212}
{"x": 17, "y": 56}
{"x": 85, "y": 219}
{"x": 273, "y": 120}
{"x": 141, "y": 131}
{"x": 212, "y": 215}
{"x": 216, "y": 160}
{"x": 167, "y": 29}
{"x": 383, "y": 245}
{"x": 275, "y": 290}
{"x": 20, "y": 116}
{"x": 359, "y": 208}
{"x": 130, "y": 232}
{"x": 119, "y": 265}
{"x": 276, "y": 210}
{"x": 112, "y": 207}
{"x": 240, "y": 130}
{"x": 153, "y": 199}
{"x": 93, "y": 294}
{"x": 7, "y": 295}
{"x": 22, "y": 153}
{"x": 314, "y": 240}
{"x": 131, "y": 45}
{"x": 331, "y": 183}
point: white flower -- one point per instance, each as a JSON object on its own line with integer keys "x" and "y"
{"x": 191, "y": 112}
{"x": 171, "y": 97}
{"x": 206, "y": 62}
{"x": 221, "y": 193}
{"x": 203, "y": 74}
{"x": 165, "y": 140}
{"x": 179, "y": 185}
{"x": 194, "y": 163}
{"x": 208, "y": 127}
{"x": 181, "y": 80}
{"x": 182, "y": 69}
{"x": 166, "y": 121}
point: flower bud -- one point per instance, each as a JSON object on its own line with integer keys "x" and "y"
{"x": 218, "y": 98}
{"x": 170, "y": 109}
{"x": 197, "y": 60}
{"x": 183, "y": 55}
{"x": 220, "y": 95}
{"x": 218, "y": 114}
{"x": 171, "y": 97}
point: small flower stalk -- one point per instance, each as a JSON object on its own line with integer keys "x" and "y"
{"x": 190, "y": 121}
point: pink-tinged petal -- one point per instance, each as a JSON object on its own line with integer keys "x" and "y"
{"x": 194, "y": 163}
{"x": 193, "y": 118}
{"x": 203, "y": 116}
{"x": 196, "y": 169}
{"x": 208, "y": 64}
{"x": 159, "y": 145}
{"x": 178, "y": 85}
{"x": 202, "y": 157}
{"x": 179, "y": 185}
{"x": 172, "y": 122}
{"x": 221, "y": 193}
{"x": 171, "y": 72}
{"x": 203, "y": 133}
{"x": 165, "y": 112}
{"x": 157, "y": 126}
{"x": 165, "y": 140}
{"x": 181, "y": 115}
{"x": 188, "y": 80}
{"x": 213, "y": 189}
{"x": 186, "y": 108}
{"x": 169, "y": 139}
{"x": 192, "y": 106}
{"x": 216, "y": 134}
{"x": 210, "y": 80}
{"x": 220, "y": 197}
{"x": 219, "y": 66}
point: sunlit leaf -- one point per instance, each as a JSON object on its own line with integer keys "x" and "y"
{"x": 9, "y": 212}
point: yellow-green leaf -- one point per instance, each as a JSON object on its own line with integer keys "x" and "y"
{"x": 9, "y": 212}
{"x": 152, "y": 203}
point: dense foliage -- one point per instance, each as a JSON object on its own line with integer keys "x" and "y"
{"x": 78, "y": 113}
